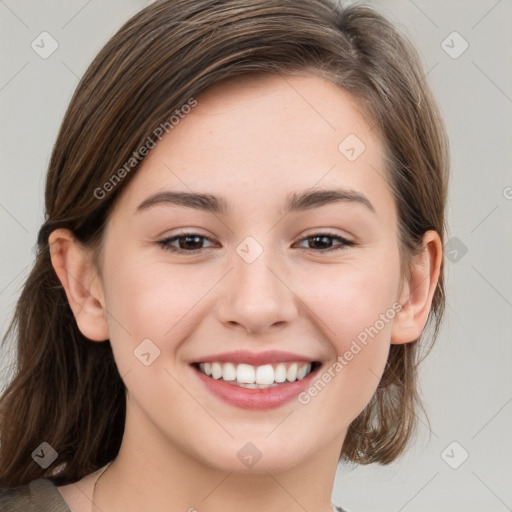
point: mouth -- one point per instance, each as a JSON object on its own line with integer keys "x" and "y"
{"x": 255, "y": 380}
{"x": 257, "y": 377}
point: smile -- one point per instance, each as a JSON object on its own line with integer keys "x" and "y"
{"x": 262, "y": 387}
{"x": 256, "y": 377}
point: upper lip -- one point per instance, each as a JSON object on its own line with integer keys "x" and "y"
{"x": 255, "y": 358}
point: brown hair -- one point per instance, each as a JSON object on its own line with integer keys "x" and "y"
{"x": 66, "y": 389}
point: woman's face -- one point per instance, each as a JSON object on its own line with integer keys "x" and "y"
{"x": 255, "y": 278}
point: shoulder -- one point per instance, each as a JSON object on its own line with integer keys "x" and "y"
{"x": 40, "y": 495}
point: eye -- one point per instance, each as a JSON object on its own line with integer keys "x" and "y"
{"x": 324, "y": 240}
{"x": 188, "y": 243}
{"x": 191, "y": 243}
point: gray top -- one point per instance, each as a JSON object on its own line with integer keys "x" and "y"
{"x": 42, "y": 495}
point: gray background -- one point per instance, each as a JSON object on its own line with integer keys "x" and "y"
{"x": 466, "y": 380}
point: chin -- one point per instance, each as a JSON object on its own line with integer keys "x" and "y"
{"x": 259, "y": 456}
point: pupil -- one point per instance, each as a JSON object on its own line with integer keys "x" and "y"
{"x": 321, "y": 237}
{"x": 189, "y": 240}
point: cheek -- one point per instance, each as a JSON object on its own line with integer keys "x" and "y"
{"x": 152, "y": 300}
{"x": 355, "y": 305}
{"x": 351, "y": 297}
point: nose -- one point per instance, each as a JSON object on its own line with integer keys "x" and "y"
{"x": 257, "y": 296}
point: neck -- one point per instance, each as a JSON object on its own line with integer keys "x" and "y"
{"x": 152, "y": 473}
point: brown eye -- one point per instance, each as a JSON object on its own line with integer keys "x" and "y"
{"x": 187, "y": 243}
{"x": 323, "y": 242}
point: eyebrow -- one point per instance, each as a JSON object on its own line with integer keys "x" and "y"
{"x": 296, "y": 202}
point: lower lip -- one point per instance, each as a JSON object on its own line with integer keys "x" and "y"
{"x": 256, "y": 399}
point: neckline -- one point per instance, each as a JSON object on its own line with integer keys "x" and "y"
{"x": 101, "y": 471}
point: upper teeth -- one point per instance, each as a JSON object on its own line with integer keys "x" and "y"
{"x": 248, "y": 374}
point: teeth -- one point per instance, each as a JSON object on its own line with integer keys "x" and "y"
{"x": 265, "y": 374}
{"x": 301, "y": 373}
{"x": 245, "y": 374}
{"x": 216, "y": 370}
{"x": 291, "y": 374}
{"x": 229, "y": 371}
{"x": 280, "y": 373}
{"x": 255, "y": 377}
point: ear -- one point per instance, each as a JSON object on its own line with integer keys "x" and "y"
{"x": 418, "y": 290}
{"x": 80, "y": 280}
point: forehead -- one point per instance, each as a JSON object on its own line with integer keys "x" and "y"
{"x": 264, "y": 136}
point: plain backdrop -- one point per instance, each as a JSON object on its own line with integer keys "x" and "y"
{"x": 463, "y": 462}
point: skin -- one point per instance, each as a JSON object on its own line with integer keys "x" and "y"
{"x": 253, "y": 142}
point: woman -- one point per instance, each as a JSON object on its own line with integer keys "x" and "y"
{"x": 243, "y": 246}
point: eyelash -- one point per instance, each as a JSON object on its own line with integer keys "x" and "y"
{"x": 165, "y": 244}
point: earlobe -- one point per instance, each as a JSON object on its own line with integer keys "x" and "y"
{"x": 78, "y": 276}
{"x": 418, "y": 291}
